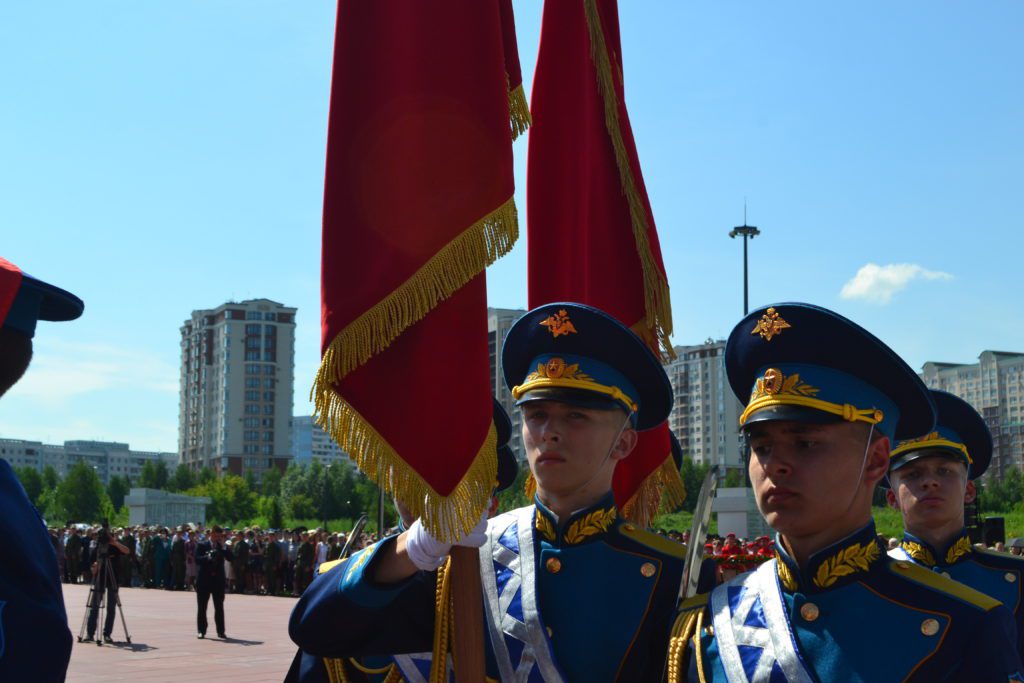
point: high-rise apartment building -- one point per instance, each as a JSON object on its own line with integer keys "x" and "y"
{"x": 499, "y": 322}
{"x": 995, "y": 387}
{"x": 237, "y": 379}
{"x": 705, "y": 415}
{"x": 311, "y": 444}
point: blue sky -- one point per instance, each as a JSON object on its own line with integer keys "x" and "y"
{"x": 163, "y": 157}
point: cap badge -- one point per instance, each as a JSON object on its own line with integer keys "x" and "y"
{"x": 775, "y": 382}
{"x": 770, "y": 324}
{"x": 559, "y": 324}
{"x": 555, "y": 368}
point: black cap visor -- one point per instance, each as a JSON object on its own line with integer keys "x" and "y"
{"x": 790, "y": 413}
{"x": 576, "y": 397}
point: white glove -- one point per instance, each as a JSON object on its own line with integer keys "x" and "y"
{"x": 428, "y": 553}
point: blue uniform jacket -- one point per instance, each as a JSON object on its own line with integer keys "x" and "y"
{"x": 604, "y": 593}
{"x": 999, "y": 575}
{"x": 35, "y": 643}
{"x": 856, "y": 614}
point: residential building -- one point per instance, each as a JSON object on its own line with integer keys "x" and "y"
{"x": 995, "y": 387}
{"x": 310, "y": 443}
{"x": 705, "y": 416}
{"x": 237, "y": 380}
{"x": 107, "y": 458}
{"x": 499, "y": 322}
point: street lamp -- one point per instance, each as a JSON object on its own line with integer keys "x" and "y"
{"x": 745, "y": 231}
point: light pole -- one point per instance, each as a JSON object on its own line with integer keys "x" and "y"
{"x": 745, "y": 231}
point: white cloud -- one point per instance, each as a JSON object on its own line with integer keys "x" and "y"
{"x": 877, "y": 284}
{"x": 61, "y": 370}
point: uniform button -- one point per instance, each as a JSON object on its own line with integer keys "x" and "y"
{"x": 1010, "y": 577}
{"x": 554, "y": 565}
{"x": 901, "y": 565}
{"x": 946, "y": 574}
{"x": 550, "y": 632}
{"x": 709, "y": 630}
{"x": 647, "y": 569}
{"x": 809, "y": 611}
{"x": 929, "y": 627}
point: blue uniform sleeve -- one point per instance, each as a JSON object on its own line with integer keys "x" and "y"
{"x": 35, "y": 643}
{"x": 993, "y": 652}
{"x": 343, "y": 613}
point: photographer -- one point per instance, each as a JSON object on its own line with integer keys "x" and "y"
{"x": 210, "y": 555}
{"x": 108, "y": 551}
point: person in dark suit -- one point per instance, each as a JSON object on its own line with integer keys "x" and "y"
{"x": 210, "y": 555}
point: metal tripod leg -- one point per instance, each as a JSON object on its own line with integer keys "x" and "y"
{"x": 112, "y": 587}
{"x": 88, "y": 607}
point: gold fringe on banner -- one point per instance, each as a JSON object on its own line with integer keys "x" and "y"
{"x": 661, "y": 491}
{"x": 480, "y": 245}
{"x": 658, "y": 306}
{"x": 518, "y": 111}
{"x": 444, "y": 620}
{"x": 447, "y": 518}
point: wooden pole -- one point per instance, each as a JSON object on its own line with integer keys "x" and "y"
{"x": 468, "y": 645}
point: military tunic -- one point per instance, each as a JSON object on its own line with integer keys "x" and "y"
{"x": 998, "y": 575}
{"x": 589, "y": 599}
{"x": 854, "y": 614}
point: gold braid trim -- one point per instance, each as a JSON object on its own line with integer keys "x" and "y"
{"x": 447, "y": 518}
{"x": 658, "y": 307}
{"x": 518, "y": 110}
{"x": 394, "y": 676}
{"x": 682, "y": 631}
{"x": 444, "y": 613}
{"x": 458, "y": 262}
{"x": 335, "y": 670}
{"x": 368, "y": 669}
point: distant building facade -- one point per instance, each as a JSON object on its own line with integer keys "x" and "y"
{"x": 499, "y": 322}
{"x": 237, "y": 380}
{"x": 153, "y": 506}
{"x": 995, "y": 387}
{"x": 311, "y": 444}
{"x": 107, "y": 458}
{"x": 705, "y": 415}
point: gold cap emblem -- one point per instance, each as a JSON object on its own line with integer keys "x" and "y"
{"x": 770, "y": 324}
{"x": 554, "y": 368}
{"x": 559, "y": 324}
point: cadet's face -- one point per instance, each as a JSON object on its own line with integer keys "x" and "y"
{"x": 931, "y": 491}
{"x": 805, "y": 475}
{"x": 567, "y": 446}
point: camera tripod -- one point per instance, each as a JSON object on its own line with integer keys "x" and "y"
{"x": 97, "y": 600}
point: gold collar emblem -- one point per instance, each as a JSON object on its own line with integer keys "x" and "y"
{"x": 559, "y": 324}
{"x": 770, "y": 324}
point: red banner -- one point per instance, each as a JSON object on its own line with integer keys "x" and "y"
{"x": 592, "y": 237}
{"x": 417, "y": 202}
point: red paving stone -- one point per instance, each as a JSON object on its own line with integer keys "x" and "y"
{"x": 162, "y": 626}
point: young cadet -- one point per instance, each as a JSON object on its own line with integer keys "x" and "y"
{"x": 570, "y": 591}
{"x": 306, "y": 668}
{"x": 932, "y": 477}
{"x": 35, "y": 643}
{"x": 824, "y": 399}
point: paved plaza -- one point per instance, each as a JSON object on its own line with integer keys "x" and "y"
{"x": 162, "y": 626}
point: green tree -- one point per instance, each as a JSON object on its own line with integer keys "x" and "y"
{"x": 271, "y": 484}
{"x": 183, "y": 478}
{"x": 250, "y": 479}
{"x": 117, "y": 489}
{"x": 80, "y": 494}
{"x": 515, "y": 496}
{"x": 735, "y": 478}
{"x": 207, "y": 475}
{"x": 301, "y": 506}
{"x": 275, "y": 515}
{"x": 31, "y": 481}
{"x": 231, "y": 499}
{"x": 147, "y": 478}
{"x": 50, "y": 478}
{"x": 693, "y": 477}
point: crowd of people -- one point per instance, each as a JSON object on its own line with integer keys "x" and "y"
{"x": 264, "y": 562}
